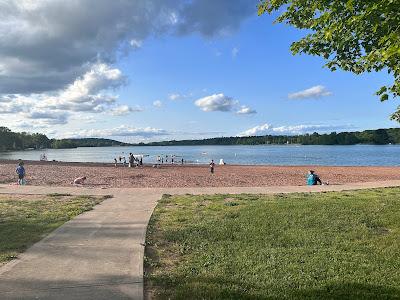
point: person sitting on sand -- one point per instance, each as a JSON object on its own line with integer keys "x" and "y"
{"x": 79, "y": 180}
{"x": 21, "y": 173}
{"x": 313, "y": 179}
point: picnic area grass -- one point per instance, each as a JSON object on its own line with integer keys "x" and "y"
{"x": 332, "y": 245}
{"x": 26, "y": 219}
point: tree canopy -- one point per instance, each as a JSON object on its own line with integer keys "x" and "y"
{"x": 353, "y": 35}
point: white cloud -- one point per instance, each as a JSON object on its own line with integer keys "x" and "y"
{"x": 235, "y": 52}
{"x": 314, "y": 92}
{"x": 245, "y": 110}
{"x": 56, "y": 39}
{"x": 87, "y": 94}
{"x": 175, "y": 96}
{"x": 267, "y": 129}
{"x": 121, "y": 131}
{"x": 257, "y": 130}
{"x": 216, "y": 102}
{"x": 52, "y": 66}
{"x": 136, "y": 44}
{"x": 157, "y": 104}
{"x": 123, "y": 110}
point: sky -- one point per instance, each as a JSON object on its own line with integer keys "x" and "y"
{"x": 151, "y": 70}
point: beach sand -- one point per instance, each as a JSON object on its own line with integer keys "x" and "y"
{"x": 106, "y": 175}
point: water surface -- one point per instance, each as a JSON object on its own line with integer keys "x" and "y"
{"x": 357, "y": 155}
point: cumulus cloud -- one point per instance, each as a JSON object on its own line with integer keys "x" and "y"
{"x": 267, "y": 129}
{"x": 216, "y": 102}
{"x": 220, "y": 102}
{"x": 245, "y": 110}
{"x": 12, "y": 107}
{"x": 123, "y": 110}
{"x": 121, "y": 131}
{"x": 87, "y": 92}
{"x": 314, "y": 92}
{"x": 157, "y": 104}
{"x": 58, "y": 40}
{"x": 175, "y": 96}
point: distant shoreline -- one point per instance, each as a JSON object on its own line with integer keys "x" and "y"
{"x": 177, "y": 165}
{"x": 16, "y": 141}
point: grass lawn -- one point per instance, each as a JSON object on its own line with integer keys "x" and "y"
{"x": 26, "y": 219}
{"x": 335, "y": 245}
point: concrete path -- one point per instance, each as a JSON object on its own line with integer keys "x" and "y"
{"x": 99, "y": 254}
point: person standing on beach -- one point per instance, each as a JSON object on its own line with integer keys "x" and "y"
{"x": 115, "y": 162}
{"x": 130, "y": 160}
{"x": 212, "y": 165}
{"x": 21, "y": 173}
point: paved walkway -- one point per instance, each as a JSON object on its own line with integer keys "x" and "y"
{"x": 99, "y": 254}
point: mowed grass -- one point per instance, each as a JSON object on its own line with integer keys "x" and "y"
{"x": 336, "y": 245}
{"x": 26, "y": 219}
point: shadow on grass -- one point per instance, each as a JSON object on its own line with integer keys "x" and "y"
{"x": 220, "y": 288}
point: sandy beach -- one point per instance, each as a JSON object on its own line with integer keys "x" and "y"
{"x": 107, "y": 175}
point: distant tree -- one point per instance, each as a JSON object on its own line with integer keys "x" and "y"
{"x": 380, "y": 137}
{"x": 354, "y": 35}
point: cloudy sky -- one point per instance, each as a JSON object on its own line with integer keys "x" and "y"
{"x": 150, "y": 70}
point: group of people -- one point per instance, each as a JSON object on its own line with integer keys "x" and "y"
{"x": 133, "y": 161}
{"x": 172, "y": 159}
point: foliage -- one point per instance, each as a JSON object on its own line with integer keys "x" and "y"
{"x": 16, "y": 141}
{"x": 336, "y": 245}
{"x": 353, "y": 35}
{"x": 378, "y": 137}
{"x": 22, "y": 140}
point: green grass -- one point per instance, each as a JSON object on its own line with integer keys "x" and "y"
{"x": 25, "y": 220}
{"x": 299, "y": 246}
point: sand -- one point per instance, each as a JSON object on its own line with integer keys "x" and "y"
{"x": 106, "y": 175}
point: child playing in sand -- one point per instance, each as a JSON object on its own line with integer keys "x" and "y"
{"x": 79, "y": 180}
{"x": 21, "y": 173}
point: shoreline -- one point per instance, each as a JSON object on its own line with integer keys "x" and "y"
{"x": 106, "y": 175}
{"x": 192, "y": 165}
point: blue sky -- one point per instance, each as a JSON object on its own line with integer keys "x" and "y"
{"x": 180, "y": 86}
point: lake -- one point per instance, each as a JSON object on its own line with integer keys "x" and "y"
{"x": 357, "y": 155}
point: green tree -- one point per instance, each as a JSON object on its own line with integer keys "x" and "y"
{"x": 354, "y": 35}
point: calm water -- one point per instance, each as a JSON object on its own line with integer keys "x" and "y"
{"x": 358, "y": 155}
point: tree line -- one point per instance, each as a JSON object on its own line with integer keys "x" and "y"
{"x": 22, "y": 140}
{"x": 376, "y": 137}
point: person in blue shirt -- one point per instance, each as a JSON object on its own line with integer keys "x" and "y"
{"x": 313, "y": 179}
{"x": 21, "y": 173}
